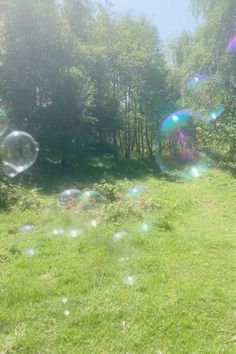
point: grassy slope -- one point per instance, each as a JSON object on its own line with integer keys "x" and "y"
{"x": 183, "y": 301}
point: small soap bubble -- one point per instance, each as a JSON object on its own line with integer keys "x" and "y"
{"x": 180, "y": 152}
{"x": 213, "y": 113}
{"x": 73, "y": 233}
{"x": 231, "y": 46}
{"x": 64, "y": 300}
{"x": 69, "y": 195}
{"x": 27, "y": 228}
{"x": 94, "y": 223}
{"x": 3, "y": 121}
{"x": 30, "y": 252}
{"x": 145, "y": 227}
{"x": 19, "y": 152}
{"x": 58, "y": 231}
{"x": 119, "y": 236}
{"x": 135, "y": 190}
{"x": 196, "y": 80}
{"x": 91, "y": 194}
{"x": 67, "y": 313}
{"x": 129, "y": 279}
{"x": 89, "y": 199}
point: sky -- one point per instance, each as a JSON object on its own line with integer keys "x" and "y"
{"x": 170, "y": 16}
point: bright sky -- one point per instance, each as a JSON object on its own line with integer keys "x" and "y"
{"x": 170, "y": 16}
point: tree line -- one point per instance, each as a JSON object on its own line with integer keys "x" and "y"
{"x": 85, "y": 81}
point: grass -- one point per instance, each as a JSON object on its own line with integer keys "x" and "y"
{"x": 183, "y": 299}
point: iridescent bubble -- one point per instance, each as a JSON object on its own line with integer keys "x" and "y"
{"x": 213, "y": 113}
{"x": 180, "y": 155}
{"x": 27, "y": 228}
{"x": 196, "y": 80}
{"x": 231, "y": 46}
{"x": 92, "y": 194}
{"x": 69, "y": 195}
{"x": 3, "y": 121}
{"x": 135, "y": 190}
{"x": 89, "y": 199}
{"x": 19, "y": 152}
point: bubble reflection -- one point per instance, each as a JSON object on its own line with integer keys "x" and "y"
{"x": 231, "y": 46}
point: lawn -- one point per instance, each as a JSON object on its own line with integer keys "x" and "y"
{"x": 167, "y": 287}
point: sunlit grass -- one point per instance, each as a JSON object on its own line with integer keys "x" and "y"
{"x": 174, "y": 294}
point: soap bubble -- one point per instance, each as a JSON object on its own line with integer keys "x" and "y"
{"x": 145, "y": 227}
{"x": 73, "y": 233}
{"x": 69, "y": 195}
{"x": 119, "y": 236}
{"x": 19, "y": 152}
{"x": 135, "y": 190}
{"x": 30, "y": 252}
{"x": 27, "y": 228}
{"x": 129, "y": 279}
{"x": 3, "y": 121}
{"x": 196, "y": 80}
{"x": 94, "y": 223}
{"x": 180, "y": 156}
{"x": 89, "y": 199}
{"x": 67, "y": 313}
{"x": 58, "y": 231}
{"x": 89, "y": 195}
{"x": 231, "y": 46}
{"x": 64, "y": 300}
{"x": 124, "y": 245}
{"x": 213, "y": 113}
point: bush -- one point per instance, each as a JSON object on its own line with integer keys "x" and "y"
{"x": 19, "y": 197}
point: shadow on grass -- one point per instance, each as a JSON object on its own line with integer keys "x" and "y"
{"x": 51, "y": 178}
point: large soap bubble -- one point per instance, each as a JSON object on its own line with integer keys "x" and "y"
{"x": 19, "y": 152}
{"x": 3, "y": 121}
{"x": 179, "y": 153}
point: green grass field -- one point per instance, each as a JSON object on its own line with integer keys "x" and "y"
{"x": 71, "y": 297}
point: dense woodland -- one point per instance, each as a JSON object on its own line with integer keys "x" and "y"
{"x": 85, "y": 81}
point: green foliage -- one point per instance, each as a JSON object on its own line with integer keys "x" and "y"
{"x": 15, "y": 196}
